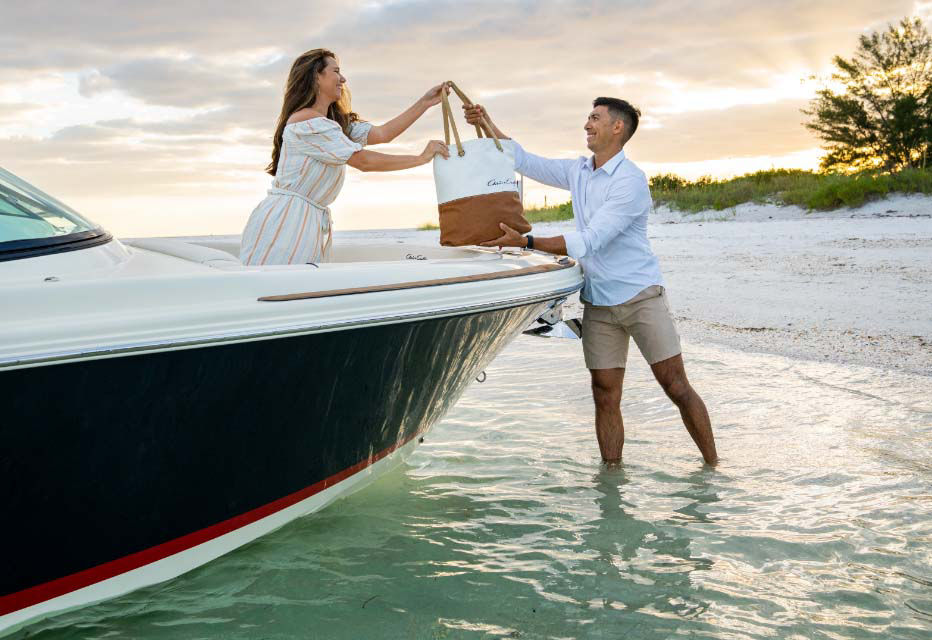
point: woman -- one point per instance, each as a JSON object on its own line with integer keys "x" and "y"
{"x": 317, "y": 136}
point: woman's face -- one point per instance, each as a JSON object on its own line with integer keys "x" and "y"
{"x": 330, "y": 81}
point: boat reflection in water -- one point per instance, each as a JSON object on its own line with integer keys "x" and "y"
{"x": 163, "y": 404}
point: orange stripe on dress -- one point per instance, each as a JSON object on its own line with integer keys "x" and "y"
{"x": 337, "y": 182}
{"x": 303, "y": 172}
{"x": 313, "y": 256}
{"x": 259, "y": 235}
{"x": 310, "y": 190}
{"x": 329, "y": 239}
{"x": 345, "y": 142}
{"x": 324, "y": 136}
{"x": 277, "y": 231}
{"x": 297, "y": 241}
{"x": 335, "y": 156}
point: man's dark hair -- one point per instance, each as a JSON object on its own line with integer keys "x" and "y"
{"x": 621, "y": 109}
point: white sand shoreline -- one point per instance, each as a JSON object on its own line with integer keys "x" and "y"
{"x": 845, "y": 286}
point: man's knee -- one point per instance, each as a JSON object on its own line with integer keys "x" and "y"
{"x": 677, "y": 389}
{"x": 606, "y": 398}
{"x": 606, "y": 387}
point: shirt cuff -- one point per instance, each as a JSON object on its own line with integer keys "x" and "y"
{"x": 575, "y": 245}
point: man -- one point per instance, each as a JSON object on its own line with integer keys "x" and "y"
{"x": 623, "y": 293}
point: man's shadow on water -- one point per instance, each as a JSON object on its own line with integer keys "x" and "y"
{"x": 643, "y": 569}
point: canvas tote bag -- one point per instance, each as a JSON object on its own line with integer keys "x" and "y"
{"x": 476, "y": 185}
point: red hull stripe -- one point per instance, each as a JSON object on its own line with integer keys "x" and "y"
{"x": 67, "y": 584}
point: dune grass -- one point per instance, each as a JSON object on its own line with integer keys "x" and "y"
{"x": 550, "y": 214}
{"x": 428, "y": 226}
{"x": 806, "y": 189}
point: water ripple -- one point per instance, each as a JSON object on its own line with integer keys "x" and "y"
{"x": 816, "y": 524}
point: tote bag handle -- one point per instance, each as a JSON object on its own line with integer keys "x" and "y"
{"x": 449, "y": 122}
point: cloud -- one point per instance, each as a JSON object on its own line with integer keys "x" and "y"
{"x": 15, "y": 110}
{"x": 94, "y": 82}
{"x": 48, "y": 34}
{"x": 163, "y": 98}
{"x": 738, "y": 131}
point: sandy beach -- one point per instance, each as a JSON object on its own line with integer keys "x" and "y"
{"x": 846, "y": 286}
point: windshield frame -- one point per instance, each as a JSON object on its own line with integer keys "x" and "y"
{"x": 91, "y": 235}
{"x": 16, "y": 249}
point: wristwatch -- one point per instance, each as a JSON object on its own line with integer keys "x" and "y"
{"x": 530, "y": 241}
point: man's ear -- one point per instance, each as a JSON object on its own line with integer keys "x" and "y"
{"x": 618, "y": 126}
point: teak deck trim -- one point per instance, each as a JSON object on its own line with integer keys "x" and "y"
{"x": 564, "y": 263}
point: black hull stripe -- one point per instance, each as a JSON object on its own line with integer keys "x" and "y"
{"x": 67, "y": 584}
{"x": 109, "y": 465}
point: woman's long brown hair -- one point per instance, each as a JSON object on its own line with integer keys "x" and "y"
{"x": 301, "y": 92}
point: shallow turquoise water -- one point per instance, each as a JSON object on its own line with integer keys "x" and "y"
{"x": 816, "y": 524}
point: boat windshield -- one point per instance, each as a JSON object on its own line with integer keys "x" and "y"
{"x": 34, "y": 223}
{"x": 28, "y": 214}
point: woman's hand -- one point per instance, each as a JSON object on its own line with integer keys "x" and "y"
{"x": 432, "y": 97}
{"x": 434, "y": 148}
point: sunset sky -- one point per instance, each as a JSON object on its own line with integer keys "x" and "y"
{"x": 155, "y": 118}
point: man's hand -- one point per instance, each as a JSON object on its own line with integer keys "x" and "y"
{"x": 511, "y": 238}
{"x": 474, "y": 113}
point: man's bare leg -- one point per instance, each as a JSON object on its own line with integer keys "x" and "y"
{"x": 609, "y": 429}
{"x": 671, "y": 374}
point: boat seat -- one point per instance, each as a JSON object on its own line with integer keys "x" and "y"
{"x": 222, "y": 251}
{"x": 186, "y": 251}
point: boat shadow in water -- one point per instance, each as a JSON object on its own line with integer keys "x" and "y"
{"x": 421, "y": 556}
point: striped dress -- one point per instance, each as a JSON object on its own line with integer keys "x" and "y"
{"x": 292, "y": 224}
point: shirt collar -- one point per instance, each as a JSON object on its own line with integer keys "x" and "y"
{"x": 610, "y": 166}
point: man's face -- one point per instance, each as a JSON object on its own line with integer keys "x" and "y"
{"x": 601, "y": 129}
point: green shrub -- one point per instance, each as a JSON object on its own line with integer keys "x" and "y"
{"x": 667, "y": 182}
{"x": 788, "y": 186}
{"x": 550, "y": 214}
{"x": 798, "y": 187}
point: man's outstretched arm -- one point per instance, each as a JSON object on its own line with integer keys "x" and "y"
{"x": 555, "y": 173}
{"x": 627, "y": 200}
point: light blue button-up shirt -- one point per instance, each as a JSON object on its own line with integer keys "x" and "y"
{"x": 610, "y": 206}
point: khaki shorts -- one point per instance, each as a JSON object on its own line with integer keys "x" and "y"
{"x": 646, "y": 318}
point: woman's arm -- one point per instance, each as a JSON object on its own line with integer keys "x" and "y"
{"x": 396, "y": 126}
{"x": 365, "y": 160}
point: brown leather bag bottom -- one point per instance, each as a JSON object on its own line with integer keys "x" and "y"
{"x": 475, "y": 219}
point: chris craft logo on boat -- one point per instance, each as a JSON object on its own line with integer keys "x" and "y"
{"x": 495, "y": 182}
